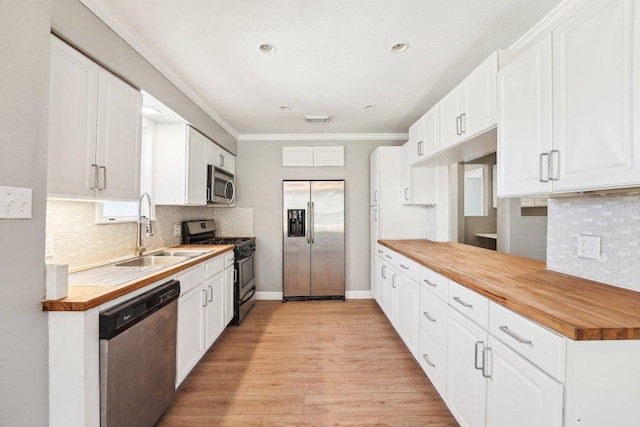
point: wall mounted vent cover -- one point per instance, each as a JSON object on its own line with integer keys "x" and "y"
{"x": 316, "y": 119}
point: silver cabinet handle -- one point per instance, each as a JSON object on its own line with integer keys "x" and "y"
{"x": 383, "y": 271}
{"x": 380, "y": 252}
{"x": 388, "y": 256}
{"x": 221, "y": 160}
{"x": 235, "y": 275}
{"x": 458, "y": 125}
{"x": 104, "y": 178}
{"x": 204, "y": 304}
{"x": 464, "y": 304}
{"x": 393, "y": 281}
{"x": 428, "y": 316}
{"x": 375, "y": 195}
{"x": 554, "y": 177}
{"x": 308, "y": 222}
{"x": 486, "y": 353}
{"x": 406, "y": 194}
{"x": 375, "y": 214}
{"x": 95, "y": 176}
{"x": 463, "y": 123}
{"x": 430, "y": 283}
{"x": 540, "y": 177}
{"x": 429, "y": 362}
{"x": 515, "y": 336}
{"x": 404, "y": 266}
{"x": 475, "y": 356}
{"x": 211, "y": 295}
{"x": 420, "y": 148}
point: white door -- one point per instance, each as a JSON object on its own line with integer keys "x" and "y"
{"x": 520, "y": 394}
{"x": 480, "y": 98}
{"x": 214, "y": 310}
{"x": 466, "y": 386}
{"x": 407, "y": 312}
{"x": 190, "y": 339}
{"x": 73, "y": 116}
{"x": 524, "y": 128}
{"x": 196, "y": 168}
{"x": 451, "y": 109}
{"x": 119, "y": 139}
{"x": 595, "y": 59}
{"x": 374, "y": 179}
{"x": 228, "y": 294}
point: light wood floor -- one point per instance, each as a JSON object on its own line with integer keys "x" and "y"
{"x": 316, "y": 363}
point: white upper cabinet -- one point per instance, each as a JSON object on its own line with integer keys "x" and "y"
{"x": 415, "y": 150}
{"x": 297, "y": 156}
{"x": 220, "y": 158}
{"x": 451, "y": 110}
{"x": 320, "y": 155}
{"x": 424, "y": 136}
{"x": 374, "y": 179}
{"x": 524, "y": 122}
{"x": 329, "y": 155}
{"x": 595, "y": 53}
{"x": 94, "y": 129}
{"x": 180, "y": 166}
{"x": 419, "y": 182}
{"x": 594, "y": 140}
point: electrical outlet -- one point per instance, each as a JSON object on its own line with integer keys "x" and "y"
{"x": 48, "y": 246}
{"x": 15, "y": 203}
{"x": 176, "y": 230}
{"x": 588, "y": 247}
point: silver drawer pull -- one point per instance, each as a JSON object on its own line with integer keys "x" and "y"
{"x": 464, "y": 304}
{"x": 430, "y": 283}
{"x": 404, "y": 266}
{"x": 388, "y": 256}
{"x": 380, "y": 252}
{"x": 514, "y": 336}
{"x": 429, "y": 362}
{"x": 428, "y": 316}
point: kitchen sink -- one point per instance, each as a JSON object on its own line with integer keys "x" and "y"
{"x": 150, "y": 260}
{"x": 181, "y": 253}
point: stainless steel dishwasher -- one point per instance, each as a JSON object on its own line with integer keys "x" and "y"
{"x": 138, "y": 358}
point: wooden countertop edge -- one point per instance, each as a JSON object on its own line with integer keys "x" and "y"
{"x": 530, "y": 311}
{"x": 89, "y": 297}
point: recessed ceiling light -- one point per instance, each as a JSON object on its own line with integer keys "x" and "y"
{"x": 285, "y": 108}
{"x": 399, "y": 47}
{"x": 369, "y": 107}
{"x": 150, "y": 110}
{"x": 267, "y": 48}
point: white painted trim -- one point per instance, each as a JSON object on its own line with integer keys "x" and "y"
{"x": 274, "y": 296}
{"x": 113, "y": 20}
{"x": 325, "y": 137}
{"x": 358, "y": 295}
{"x": 548, "y": 23}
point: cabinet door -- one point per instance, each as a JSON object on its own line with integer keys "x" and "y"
{"x": 595, "y": 58}
{"x": 119, "y": 139}
{"x": 407, "y": 312}
{"x": 524, "y": 128}
{"x": 196, "y": 168}
{"x": 213, "y": 153}
{"x": 466, "y": 386}
{"x": 228, "y": 294}
{"x": 405, "y": 194}
{"x": 518, "y": 393}
{"x": 73, "y": 116}
{"x": 229, "y": 163}
{"x": 374, "y": 179}
{"x": 297, "y": 156}
{"x": 190, "y": 339}
{"x": 392, "y": 295}
{"x": 450, "y": 118}
{"x": 416, "y": 148}
{"x": 214, "y": 310}
{"x": 332, "y": 155}
{"x": 431, "y": 131}
{"x": 480, "y": 98}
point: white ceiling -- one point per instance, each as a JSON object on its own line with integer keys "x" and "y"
{"x": 332, "y": 56}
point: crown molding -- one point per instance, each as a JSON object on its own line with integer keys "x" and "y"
{"x": 548, "y": 23}
{"x": 107, "y": 15}
{"x": 325, "y": 137}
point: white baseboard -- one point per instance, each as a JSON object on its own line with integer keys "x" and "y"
{"x": 358, "y": 295}
{"x": 268, "y": 295}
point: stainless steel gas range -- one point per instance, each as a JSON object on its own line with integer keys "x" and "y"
{"x": 203, "y": 232}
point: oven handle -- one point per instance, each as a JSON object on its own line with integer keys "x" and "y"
{"x": 246, "y": 299}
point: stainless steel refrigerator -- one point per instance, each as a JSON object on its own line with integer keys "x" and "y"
{"x": 313, "y": 240}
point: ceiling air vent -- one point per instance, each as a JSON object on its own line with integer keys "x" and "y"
{"x": 316, "y": 119}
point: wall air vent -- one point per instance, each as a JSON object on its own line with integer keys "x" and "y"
{"x": 316, "y": 119}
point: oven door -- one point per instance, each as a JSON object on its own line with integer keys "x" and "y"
{"x": 246, "y": 276}
{"x": 220, "y": 187}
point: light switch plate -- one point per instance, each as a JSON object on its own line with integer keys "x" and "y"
{"x": 588, "y": 247}
{"x": 15, "y": 203}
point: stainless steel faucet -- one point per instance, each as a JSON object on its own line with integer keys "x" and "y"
{"x": 143, "y": 220}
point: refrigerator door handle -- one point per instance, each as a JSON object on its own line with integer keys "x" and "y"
{"x": 308, "y": 222}
{"x": 313, "y": 224}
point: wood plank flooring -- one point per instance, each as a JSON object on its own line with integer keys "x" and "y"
{"x": 316, "y": 363}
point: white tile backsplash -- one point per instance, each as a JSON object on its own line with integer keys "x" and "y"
{"x": 615, "y": 219}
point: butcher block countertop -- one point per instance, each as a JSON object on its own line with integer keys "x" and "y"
{"x": 82, "y": 298}
{"x": 577, "y": 308}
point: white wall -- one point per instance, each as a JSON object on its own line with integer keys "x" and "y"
{"x": 24, "y": 82}
{"x": 259, "y": 183}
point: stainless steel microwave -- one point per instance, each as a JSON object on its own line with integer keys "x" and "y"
{"x": 221, "y": 189}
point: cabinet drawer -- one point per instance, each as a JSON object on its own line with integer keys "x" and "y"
{"x": 408, "y": 267}
{"x": 534, "y": 342}
{"x": 190, "y": 279}
{"x": 435, "y": 282}
{"x": 433, "y": 317}
{"x": 470, "y": 303}
{"x": 214, "y": 266}
{"x": 229, "y": 258}
{"x": 434, "y": 363}
{"x": 380, "y": 250}
{"x": 389, "y": 255}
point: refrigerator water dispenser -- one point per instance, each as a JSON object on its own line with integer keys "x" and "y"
{"x": 296, "y": 223}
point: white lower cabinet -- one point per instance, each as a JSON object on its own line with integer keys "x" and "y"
{"x": 518, "y": 393}
{"x": 433, "y": 362}
{"x": 406, "y": 312}
{"x": 229, "y": 274}
{"x": 214, "y": 308}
